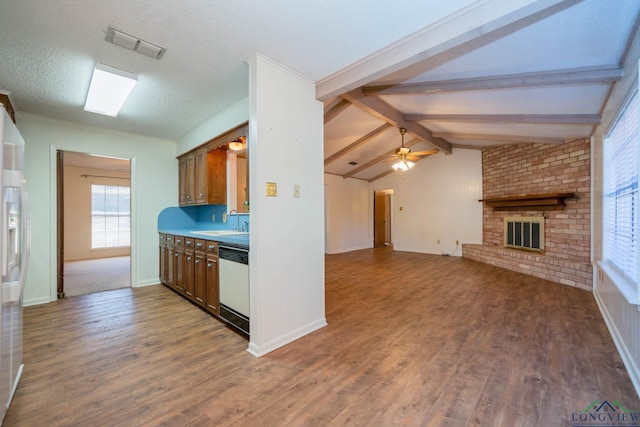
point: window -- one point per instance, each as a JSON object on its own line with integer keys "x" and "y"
{"x": 110, "y": 216}
{"x": 620, "y": 234}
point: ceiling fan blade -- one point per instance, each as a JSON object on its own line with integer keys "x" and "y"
{"x": 424, "y": 153}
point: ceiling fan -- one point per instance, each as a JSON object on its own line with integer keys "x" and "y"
{"x": 405, "y": 159}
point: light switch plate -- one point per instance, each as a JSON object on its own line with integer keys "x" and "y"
{"x": 271, "y": 189}
{"x": 296, "y": 190}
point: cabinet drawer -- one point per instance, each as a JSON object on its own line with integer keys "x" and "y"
{"x": 200, "y": 245}
{"x": 179, "y": 241}
{"x": 212, "y": 247}
{"x": 189, "y": 242}
{"x": 169, "y": 238}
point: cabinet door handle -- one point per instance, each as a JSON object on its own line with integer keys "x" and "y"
{"x": 177, "y": 254}
{"x": 209, "y": 265}
{"x": 198, "y": 245}
{"x": 197, "y": 261}
{"x": 201, "y": 194}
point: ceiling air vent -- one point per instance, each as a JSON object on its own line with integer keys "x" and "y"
{"x": 134, "y": 43}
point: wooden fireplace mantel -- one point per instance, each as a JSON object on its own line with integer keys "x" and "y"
{"x": 535, "y": 201}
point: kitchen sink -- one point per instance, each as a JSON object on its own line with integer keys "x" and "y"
{"x": 219, "y": 232}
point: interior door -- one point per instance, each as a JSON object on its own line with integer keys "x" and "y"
{"x": 379, "y": 218}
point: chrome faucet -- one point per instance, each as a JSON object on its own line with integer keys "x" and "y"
{"x": 237, "y": 226}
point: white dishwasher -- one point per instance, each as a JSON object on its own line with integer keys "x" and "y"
{"x": 234, "y": 286}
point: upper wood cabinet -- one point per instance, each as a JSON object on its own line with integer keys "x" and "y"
{"x": 202, "y": 172}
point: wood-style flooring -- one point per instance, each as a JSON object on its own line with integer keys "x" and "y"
{"x": 412, "y": 340}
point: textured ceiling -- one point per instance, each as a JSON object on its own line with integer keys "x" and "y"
{"x": 488, "y": 72}
{"x": 48, "y": 50}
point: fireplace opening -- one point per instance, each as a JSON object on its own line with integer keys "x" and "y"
{"x": 524, "y": 233}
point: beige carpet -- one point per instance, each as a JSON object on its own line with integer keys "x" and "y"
{"x": 96, "y": 275}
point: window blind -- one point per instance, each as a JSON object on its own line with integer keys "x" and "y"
{"x": 621, "y": 158}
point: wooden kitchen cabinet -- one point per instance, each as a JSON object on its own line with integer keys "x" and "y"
{"x": 169, "y": 261}
{"x": 190, "y": 267}
{"x": 199, "y": 276}
{"x": 202, "y": 176}
{"x": 211, "y": 277}
{"x": 178, "y": 264}
{"x": 202, "y": 172}
{"x": 162, "y": 257}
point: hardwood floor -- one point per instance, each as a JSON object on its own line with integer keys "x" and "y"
{"x": 413, "y": 339}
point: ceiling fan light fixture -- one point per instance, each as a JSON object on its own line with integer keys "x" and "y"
{"x": 403, "y": 165}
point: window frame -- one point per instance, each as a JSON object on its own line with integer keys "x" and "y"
{"x": 625, "y": 284}
{"x": 106, "y": 247}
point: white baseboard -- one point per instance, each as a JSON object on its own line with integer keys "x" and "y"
{"x": 35, "y": 301}
{"x": 148, "y": 282}
{"x": 623, "y": 350}
{"x": 341, "y": 251}
{"x": 261, "y": 350}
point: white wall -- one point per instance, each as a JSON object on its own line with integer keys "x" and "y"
{"x": 154, "y": 186}
{"x": 622, "y": 318}
{"x": 349, "y": 220}
{"x": 439, "y": 201}
{"x": 287, "y": 233}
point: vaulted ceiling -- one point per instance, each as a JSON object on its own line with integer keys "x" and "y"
{"x": 455, "y": 74}
{"x": 542, "y": 76}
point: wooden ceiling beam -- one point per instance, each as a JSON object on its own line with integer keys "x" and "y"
{"x": 569, "y": 119}
{"x": 504, "y": 138}
{"x": 377, "y": 160}
{"x": 334, "y": 110}
{"x": 581, "y": 76}
{"x": 474, "y": 26}
{"x": 384, "y": 111}
{"x": 360, "y": 141}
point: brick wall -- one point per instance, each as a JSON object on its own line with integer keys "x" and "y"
{"x": 519, "y": 170}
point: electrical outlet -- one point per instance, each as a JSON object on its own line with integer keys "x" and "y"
{"x": 213, "y": 218}
{"x": 296, "y": 190}
{"x": 438, "y": 241}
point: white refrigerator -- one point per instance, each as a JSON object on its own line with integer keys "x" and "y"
{"x": 14, "y": 254}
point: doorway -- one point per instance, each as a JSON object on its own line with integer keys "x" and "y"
{"x": 382, "y": 218}
{"x": 94, "y": 223}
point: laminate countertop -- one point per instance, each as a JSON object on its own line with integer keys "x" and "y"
{"x": 228, "y": 237}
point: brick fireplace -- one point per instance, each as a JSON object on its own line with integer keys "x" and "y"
{"x": 538, "y": 169}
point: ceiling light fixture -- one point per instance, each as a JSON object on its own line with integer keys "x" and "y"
{"x": 403, "y": 164}
{"x": 238, "y": 144}
{"x": 109, "y": 89}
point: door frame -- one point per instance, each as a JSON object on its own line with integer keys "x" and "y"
{"x": 53, "y": 224}
{"x": 387, "y": 218}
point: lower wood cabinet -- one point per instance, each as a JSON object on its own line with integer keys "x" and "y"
{"x": 178, "y": 266}
{"x": 200, "y": 274}
{"x": 190, "y": 267}
{"x": 212, "y": 284}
